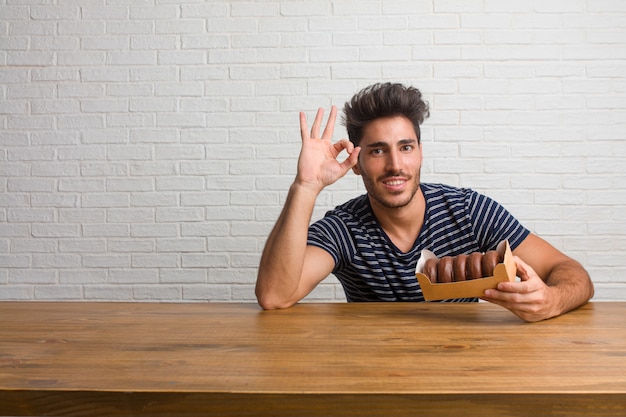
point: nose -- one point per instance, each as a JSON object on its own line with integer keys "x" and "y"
{"x": 394, "y": 159}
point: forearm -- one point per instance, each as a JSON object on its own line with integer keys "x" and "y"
{"x": 572, "y": 284}
{"x": 282, "y": 260}
{"x": 563, "y": 286}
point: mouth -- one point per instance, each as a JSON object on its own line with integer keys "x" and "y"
{"x": 394, "y": 183}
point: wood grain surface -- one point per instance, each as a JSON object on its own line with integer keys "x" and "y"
{"x": 105, "y": 359}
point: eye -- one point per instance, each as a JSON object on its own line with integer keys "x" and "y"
{"x": 377, "y": 151}
{"x": 406, "y": 148}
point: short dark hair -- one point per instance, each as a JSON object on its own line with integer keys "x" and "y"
{"x": 383, "y": 100}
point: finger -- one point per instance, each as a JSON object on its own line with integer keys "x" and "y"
{"x": 352, "y": 160}
{"x": 330, "y": 124}
{"x": 511, "y": 300}
{"x": 317, "y": 123}
{"x": 522, "y": 269}
{"x": 501, "y": 294}
{"x": 304, "y": 128}
{"x": 524, "y": 274}
{"x": 343, "y": 144}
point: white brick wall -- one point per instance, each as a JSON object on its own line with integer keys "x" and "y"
{"x": 146, "y": 149}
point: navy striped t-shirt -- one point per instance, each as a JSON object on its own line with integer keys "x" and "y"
{"x": 371, "y": 268}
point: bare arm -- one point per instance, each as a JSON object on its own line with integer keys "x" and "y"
{"x": 551, "y": 282}
{"x": 280, "y": 281}
{"x": 289, "y": 269}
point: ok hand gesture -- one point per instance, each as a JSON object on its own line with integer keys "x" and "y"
{"x": 318, "y": 166}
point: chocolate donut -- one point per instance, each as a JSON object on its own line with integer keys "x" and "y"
{"x": 430, "y": 270}
{"x": 474, "y": 265}
{"x": 490, "y": 260}
{"x": 445, "y": 270}
{"x": 460, "y": 267}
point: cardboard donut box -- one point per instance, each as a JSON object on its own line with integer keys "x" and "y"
{"x": 504, "y": 271}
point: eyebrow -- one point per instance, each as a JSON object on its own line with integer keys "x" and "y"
{"x": 382, "y": 144}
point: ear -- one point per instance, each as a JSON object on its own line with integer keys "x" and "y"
{"x": 356, "y": 168}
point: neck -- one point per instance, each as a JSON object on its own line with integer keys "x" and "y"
{"x": 401, "y": 224}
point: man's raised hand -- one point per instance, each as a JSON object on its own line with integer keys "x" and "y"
{"x": 318, "y": 166}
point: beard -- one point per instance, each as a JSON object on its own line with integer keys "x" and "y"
{"x": 385, "y": 198}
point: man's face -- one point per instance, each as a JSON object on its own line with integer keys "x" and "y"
{"x": 390, "y": 161}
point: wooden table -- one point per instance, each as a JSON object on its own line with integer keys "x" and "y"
{"x": 388, "y": 359}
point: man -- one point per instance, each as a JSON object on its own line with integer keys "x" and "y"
{"x": 372, "y": 243}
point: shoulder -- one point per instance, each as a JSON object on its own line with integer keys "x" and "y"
{"x": 357, "y": 208}
{"x": 489, "y": 221}
{"x": 435, "y": 190}
{"x": 448, "y": 198}
{"x": 344, "y": 219}
{"x": 340, "y": 229}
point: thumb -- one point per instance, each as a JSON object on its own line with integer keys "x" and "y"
{"x": 351, "y": 160}
{"x": 522, "y": 269}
